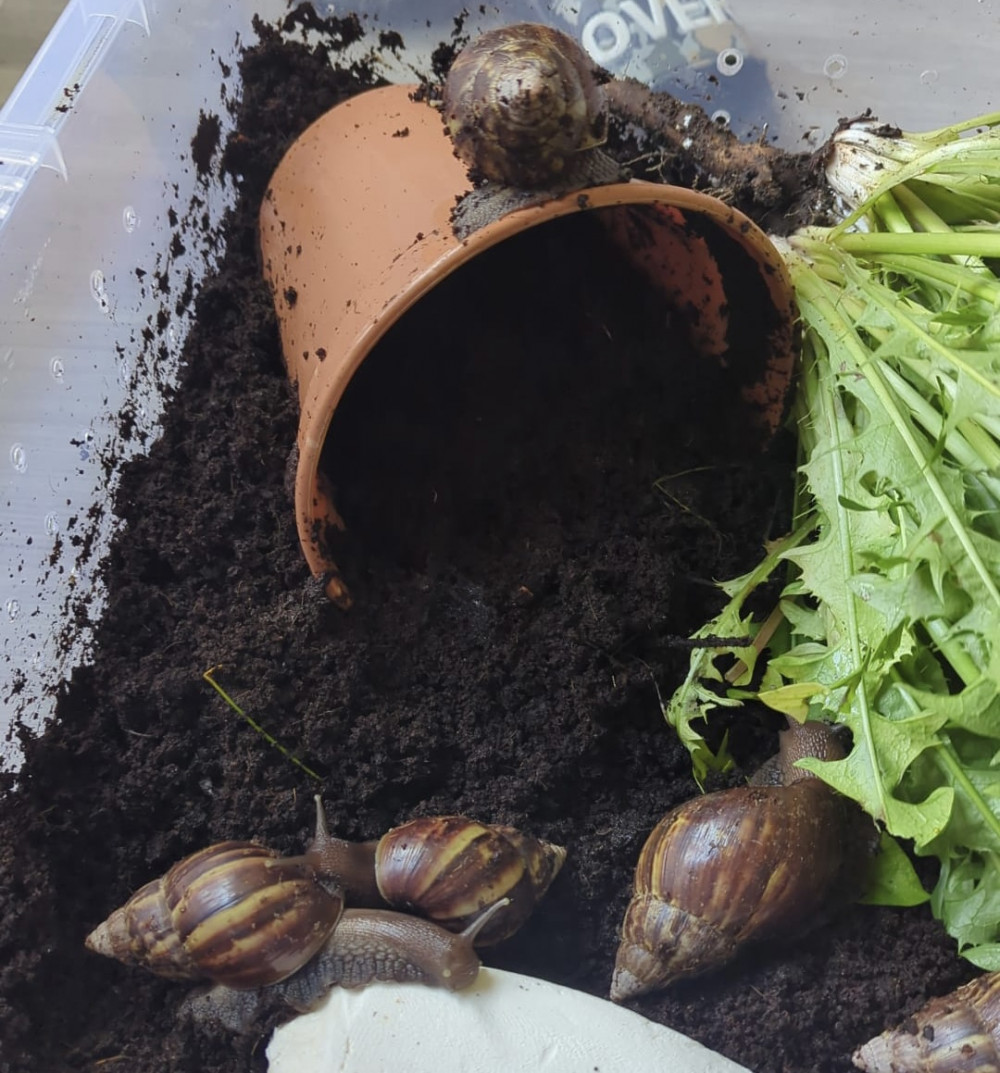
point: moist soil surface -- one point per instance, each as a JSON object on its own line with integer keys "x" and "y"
{"x": 541, "y": 483}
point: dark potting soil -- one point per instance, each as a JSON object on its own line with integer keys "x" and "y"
{"x": 542, "y": 484}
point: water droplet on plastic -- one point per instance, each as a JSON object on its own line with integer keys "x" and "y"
{"x": 52, "y": 523}
{"x": 729, "y": 61}
{"x": 13, "y": 608}
{"x": 835, "y": 66}
{"x": 19, "y": 458}
{"x": 97, "y": 289}
{"x": 57, "y": 369}
{"x": 130, "y": 219}
{"x": 928, "y": 77}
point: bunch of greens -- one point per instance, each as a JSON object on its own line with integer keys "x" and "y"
{"x": 889, "y": 616}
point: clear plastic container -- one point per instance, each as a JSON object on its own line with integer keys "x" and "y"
{"x": 96, "y": 167}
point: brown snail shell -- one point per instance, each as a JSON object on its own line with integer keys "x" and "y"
{"x": 739, "y": 866}
{"x": 367, "y": 945}
{"x": 450, "y": 868}
{"x": 521, "y": 103}
{"x": 956, "y": 1033}
{"x": 234, "y": 913}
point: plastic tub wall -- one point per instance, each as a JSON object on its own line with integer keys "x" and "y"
{"x": 96, "y": 168}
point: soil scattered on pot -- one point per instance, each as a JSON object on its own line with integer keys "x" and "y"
{"x": 542, "y": 485}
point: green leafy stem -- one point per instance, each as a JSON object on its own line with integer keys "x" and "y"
{"x": 889, "y": 615}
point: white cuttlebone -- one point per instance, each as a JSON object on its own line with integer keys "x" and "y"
{"x": 504, "y": 1023}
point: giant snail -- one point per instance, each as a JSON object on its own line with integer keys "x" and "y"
{"x": 244, "y": 918}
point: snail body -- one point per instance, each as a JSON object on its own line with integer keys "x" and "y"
{"x": 367, "y": 945}
{"x": 521, "y": 103}
{"x": 740, "y": 866}
{"x": 956, "y": 1032}
{"x": 234, "y": 913}
{"x": 380, "y": 944}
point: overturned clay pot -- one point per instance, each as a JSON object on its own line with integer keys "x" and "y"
{"x": 359, "y": 223}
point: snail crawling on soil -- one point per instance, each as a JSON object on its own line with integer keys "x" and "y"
{"x": 244, "y": 918}
{"x": 956, "y": 1033}
{"x": 739, "y": 866}
{"x": 235, "y": 913}
{"x": 366, "y": 945}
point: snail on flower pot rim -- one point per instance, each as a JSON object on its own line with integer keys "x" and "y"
{"x": 358, "y": 224}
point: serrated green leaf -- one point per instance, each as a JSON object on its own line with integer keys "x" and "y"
{"x": 804, "y": 621}
{"x": 893, "y": 880}
{"x": 892, "y": 596}
{"x": 985, "y": 956}
{"x": 975, "y": 708}
{"x": 791, "y": 700}
{"x": 969, "y": 318}
{"x": 696, "y": 697}
{"x": 967, "y": 900}
{"x": 850, "y": 504}
{"x": 882, "y": 752}
{"x": 965, "y": 767}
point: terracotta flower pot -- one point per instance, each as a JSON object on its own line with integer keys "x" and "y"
{"x": 356, "y": 227}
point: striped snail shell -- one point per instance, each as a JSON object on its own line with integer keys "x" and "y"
{"x": 521, "y": 103}
{"x": 450, "y": 868}
{"x": 956, "y": 1032}
{"x": 367, "y": 945}
{"x": 743, "y": 865}
{"x": 234, "y": 913}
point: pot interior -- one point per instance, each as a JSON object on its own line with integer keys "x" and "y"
{"x": 451, "y": 413}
